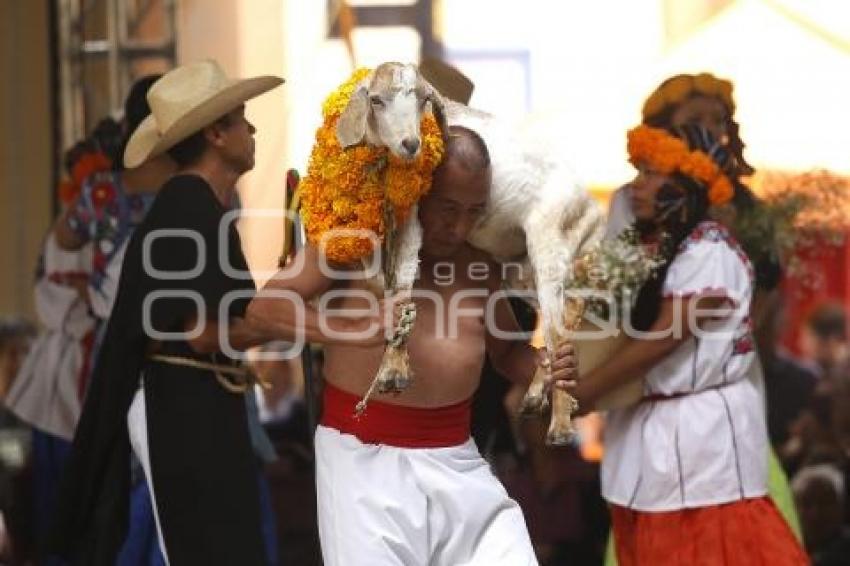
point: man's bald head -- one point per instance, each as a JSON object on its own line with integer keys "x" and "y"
{"x": 458, "y": 196}
{"x": 466, "y": 148}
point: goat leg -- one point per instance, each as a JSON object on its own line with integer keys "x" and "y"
{"x": 535, "y": 401}
{"x": 394, "y": 374}
{"x": 561, "y": 427}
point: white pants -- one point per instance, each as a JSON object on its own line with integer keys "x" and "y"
{"x": 382, "y": 505}
{"x": 137, "y": 424}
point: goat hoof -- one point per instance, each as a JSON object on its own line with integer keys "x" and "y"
{"x": 401, "y": 382}
{"x": 533, "y": 403}
{"x": 388, "y": 382}
{"x": 395, "y": 373}
{"x": 393, "y": 381}
{"x": 556, "y": 437}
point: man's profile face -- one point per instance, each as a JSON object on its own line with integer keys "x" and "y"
{"x": 239, "y": 146}
{"x": 457, "y": 200}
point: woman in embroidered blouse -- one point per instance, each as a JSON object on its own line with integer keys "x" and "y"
{"x": 110, "y": 206}
{"x": 685, "y": 470}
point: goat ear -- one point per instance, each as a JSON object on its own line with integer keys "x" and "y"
{"x": 438, "y": 105}
{"x": 351, "y": 128}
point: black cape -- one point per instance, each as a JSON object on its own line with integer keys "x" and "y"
{"x": 204, "y": 473}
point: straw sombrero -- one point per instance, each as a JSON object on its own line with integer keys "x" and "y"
{"x": 184, "y": 101}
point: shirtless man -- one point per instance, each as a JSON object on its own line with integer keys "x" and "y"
{"x": 404, "y": 484}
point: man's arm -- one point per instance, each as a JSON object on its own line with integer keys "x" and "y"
{"x": 518, "y": 360}
{"x": 241, "y": 335}
{"x": 514, "y": 358}
{"x": 290, "y": 316}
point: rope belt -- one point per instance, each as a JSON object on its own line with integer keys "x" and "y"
{"x": 235, "y": 379}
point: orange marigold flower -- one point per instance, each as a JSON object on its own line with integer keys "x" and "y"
{"x": 348, "y": 189}
{"x": 88, "y": 164}
{"x": 677, "y": 88}
{"x": 68, "y": 191}
{"x": 664, "y": 153}
{"x": 720, "y": 192}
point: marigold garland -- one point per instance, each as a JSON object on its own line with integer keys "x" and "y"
{"x": 667, "y": 154}
{"x": 676, "y": 89}
{"x": 346, "y": 188}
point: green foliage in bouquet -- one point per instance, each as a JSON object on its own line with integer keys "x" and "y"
{"x": 614, "y": 271}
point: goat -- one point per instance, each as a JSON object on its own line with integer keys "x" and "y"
{"x": 537, "y": 210}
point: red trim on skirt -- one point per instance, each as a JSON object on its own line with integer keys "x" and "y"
{"x": 743, "y": 533}
{"x": 396, "y": 425}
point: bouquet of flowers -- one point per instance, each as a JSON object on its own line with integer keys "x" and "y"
{"x": 608, "y": 279}
{"x": 612, "y": 273}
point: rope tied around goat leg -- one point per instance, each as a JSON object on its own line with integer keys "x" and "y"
{"x": 394, "y": 373}
{"x": 401, "y": 332}
{"x": 404, "y": 326}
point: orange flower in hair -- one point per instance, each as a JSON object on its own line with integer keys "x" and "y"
{"x": 667, "y": 154}
{"x": 86, "y": 165}
{"x": 720, "y": 191}
{"x": 678, "y": 88}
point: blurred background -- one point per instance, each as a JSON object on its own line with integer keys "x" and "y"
{"x": 581, "y": 71}
{"x": 582, "y": 68}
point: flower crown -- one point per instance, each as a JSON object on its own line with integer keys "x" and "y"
{"x": 85, "y": 166}
{"x": 678, "y": 88}
{"x": 667, "y": 154}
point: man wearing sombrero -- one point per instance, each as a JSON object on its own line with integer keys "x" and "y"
{"x": 162, "y": 386}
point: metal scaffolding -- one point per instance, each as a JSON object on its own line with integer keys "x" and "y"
{"x": 100, "y": 46}
{"x": 416, "y": 14}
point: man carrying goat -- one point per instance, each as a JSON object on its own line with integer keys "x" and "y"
{"x": 404, "y": 483}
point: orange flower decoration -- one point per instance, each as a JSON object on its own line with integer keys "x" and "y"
{"x": 666, "y": 154}
{"x": 347, "y": 189}
{"x": 678, "y": 88}
{"x": 83, "y": 168}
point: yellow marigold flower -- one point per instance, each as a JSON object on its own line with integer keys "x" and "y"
{"x": 677, "y": 89}
{"x": 348, "y": 189}
{"x": 653, "y": 105}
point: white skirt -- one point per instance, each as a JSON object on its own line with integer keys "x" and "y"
{"x": 137, "y": 424}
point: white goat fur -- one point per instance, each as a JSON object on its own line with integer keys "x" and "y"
{"x": 536, "y": 210}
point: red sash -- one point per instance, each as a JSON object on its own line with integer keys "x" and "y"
{"x": 395, "y": 425}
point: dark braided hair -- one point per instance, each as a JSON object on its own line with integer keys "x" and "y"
{"x": 739, "y": 166}
{"x": 136, "y": 109}
{"x": 682, "y": 203}
{"x": 768, "y": 269}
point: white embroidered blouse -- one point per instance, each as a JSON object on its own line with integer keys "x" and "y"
{"x": 699, "y": 437}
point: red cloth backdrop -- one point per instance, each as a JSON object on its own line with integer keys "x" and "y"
{"x": 830, "y": 265}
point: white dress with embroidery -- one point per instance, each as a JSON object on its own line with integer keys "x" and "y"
{"x": 700, "y": 436}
